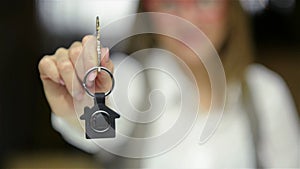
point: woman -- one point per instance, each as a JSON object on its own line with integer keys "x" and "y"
{"x": 238, "y": 142}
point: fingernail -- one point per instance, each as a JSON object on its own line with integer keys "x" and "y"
{"x": 106, "y": 58}
{"x": 61, "y": 82}
{"x": 92, "y": 76}
{"x": 106, "y": 55}
{"x": 90, "y": 84}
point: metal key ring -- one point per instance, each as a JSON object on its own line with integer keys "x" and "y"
{"x": 98, "y": 68}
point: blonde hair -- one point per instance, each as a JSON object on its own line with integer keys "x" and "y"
{"x": 239, "y": 50}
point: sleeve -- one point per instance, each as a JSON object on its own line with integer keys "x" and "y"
{"x": 279, "y": 124}
{"x": 73, "y": 135}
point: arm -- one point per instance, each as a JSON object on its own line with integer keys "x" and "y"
{"x": 279, "y": 126}
{"x": 64, "y": 118}
{"x": 62, "y": 74}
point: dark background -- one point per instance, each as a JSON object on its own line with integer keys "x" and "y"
{"x": 25, "y": 128}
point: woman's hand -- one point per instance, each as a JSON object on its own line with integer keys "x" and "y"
{"x": 62, "y": 74}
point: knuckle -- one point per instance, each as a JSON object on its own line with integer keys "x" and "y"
{"x": 86, "y": 38}
{"x": 76, "y": 43}
{"x": 44, "y": 62}
{"x": 65, "y": 66}
{"x": 60, "y": 50}
{"x": 74, "y": 52}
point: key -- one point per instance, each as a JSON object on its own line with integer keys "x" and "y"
{"x": 100, "y": 119}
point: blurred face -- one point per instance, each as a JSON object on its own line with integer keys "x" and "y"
{"x": 210, "y": 16}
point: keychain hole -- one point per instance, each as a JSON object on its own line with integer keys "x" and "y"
{"x": 98, "y": 68}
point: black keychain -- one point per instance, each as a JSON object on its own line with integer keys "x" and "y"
{"x": 99, "y": 119}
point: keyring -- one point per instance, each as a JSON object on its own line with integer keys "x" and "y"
{"x": 98, "y": 68}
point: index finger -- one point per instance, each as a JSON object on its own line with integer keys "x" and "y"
{"x": 88, "y": 56}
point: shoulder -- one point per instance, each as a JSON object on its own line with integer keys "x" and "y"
{"x": 260, "y": 77}
{"x": 268, "y": 90}
{"x": 266, "y": 84}
{"x": 277, "y": 116}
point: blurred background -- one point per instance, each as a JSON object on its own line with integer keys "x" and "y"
{"x": 32, "y": 29}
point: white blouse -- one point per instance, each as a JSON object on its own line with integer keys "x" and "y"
{"x": 232, "y": 144}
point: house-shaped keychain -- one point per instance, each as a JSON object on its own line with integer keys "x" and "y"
{"x": 100, "y": 119}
